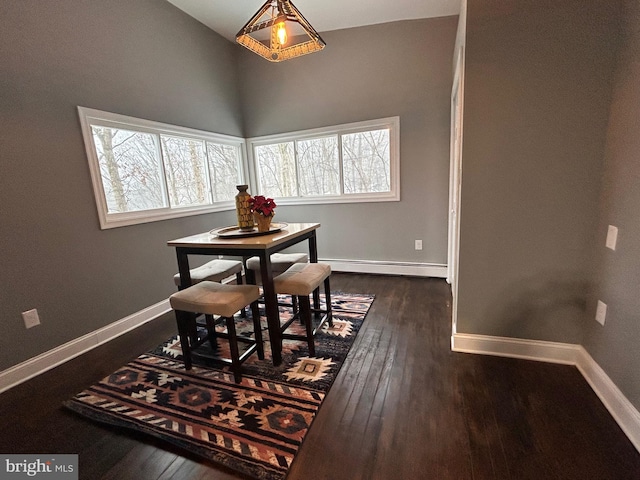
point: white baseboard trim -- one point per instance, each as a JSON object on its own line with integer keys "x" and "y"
{"x": 550, "y": 352}
{"x": 35, "y": 366}
{"x": 387, "y": 268}
{"x": 620, "y": 408}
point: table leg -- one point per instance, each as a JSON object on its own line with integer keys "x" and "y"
{"x": 249, "y": 275}
{"x": 189, "y": 318}
{"x": 313, "y": 258}
{"x": 271, "y": 307}
{"x": 183, "y": 269}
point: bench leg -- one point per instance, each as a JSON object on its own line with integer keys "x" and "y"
{"x": 211, "y": 331}
{"x": 235, "y": 352}
{"x": 327, "y": 298}
{"x": 243, "y": 312}
{"x": 183, "y": 319}
{"x": 257, "y": 329}
{"x": 250, "y": 275}
{"x": 305, "y": 314}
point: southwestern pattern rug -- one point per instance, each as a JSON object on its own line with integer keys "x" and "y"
{"x": 255, "y": 427}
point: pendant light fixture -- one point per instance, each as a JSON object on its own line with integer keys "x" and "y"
{"x": 278, "y": 32}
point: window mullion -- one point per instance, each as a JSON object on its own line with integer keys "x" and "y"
{"x": 207, "y": 173}
{"x": 340, "y": 165}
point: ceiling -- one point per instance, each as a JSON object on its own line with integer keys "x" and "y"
{"x": 227, "y": 17}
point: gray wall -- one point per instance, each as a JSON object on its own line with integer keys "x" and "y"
{"x": 617, "y": 277}
{"x": 537, "y": 92}
{"x": 144, "y": 58}
{"x": 399, "y": 68}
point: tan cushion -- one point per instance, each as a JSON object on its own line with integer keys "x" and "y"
{"x": 213, "y": 271}
{"x": 301, "y": 278}
{"x": 279, "y": 261}
{"x": 214, "y": 298}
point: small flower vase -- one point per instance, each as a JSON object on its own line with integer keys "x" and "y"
{"x": 263, "y": 222}
{"x": 243, "y": 209}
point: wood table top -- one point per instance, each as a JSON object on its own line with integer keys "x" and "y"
{"x": 207, "y": 239}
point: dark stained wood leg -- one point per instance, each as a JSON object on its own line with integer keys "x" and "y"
{"x": 243, "y": 312}
{"x": 183, "y": 268}
{"x": 233, "y": 346}
{"x": 183, "y": 320}
{"x": 257, "y": 329}
{"x": 313, "y": 258}
{"x": 192, "y": 327}
{"x": 305, "y": 315}
{"x": 211, "y": 331}
{"x": 271, "y": 308}
{"x": 250, "y": 276}
{"x": 327, "y": 294}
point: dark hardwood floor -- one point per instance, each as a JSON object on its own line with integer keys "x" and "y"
{"x": 403, "y": 407}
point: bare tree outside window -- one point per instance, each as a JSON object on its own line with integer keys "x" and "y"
{"x": 224, "y": 163}
{"x": 277, "y": 170}
{"x": 184, "y": 164}
{"x": 366, "y": 162}
{"x": 319, "y": 166}
{"x": 131, "y": 174}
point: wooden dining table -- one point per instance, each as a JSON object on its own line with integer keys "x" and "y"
{"x": 262, "y": 246}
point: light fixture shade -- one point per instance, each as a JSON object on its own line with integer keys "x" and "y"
{"x": 261, "y": 33}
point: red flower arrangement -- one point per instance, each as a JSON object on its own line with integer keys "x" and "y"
{"x": 263, "y": 206}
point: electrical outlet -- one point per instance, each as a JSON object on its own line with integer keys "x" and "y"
{"x": 418, "y": 244}
{"x": 601, "y": 312}
{"x": 31, "y": 318}
{"x": 612, "y": 237}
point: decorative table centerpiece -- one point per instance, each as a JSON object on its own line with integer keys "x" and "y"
{"x": 263, "y": 211}
{"x": 243, "y": 209}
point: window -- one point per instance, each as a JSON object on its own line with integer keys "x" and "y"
{"x": 144, "y": 171}
{"x": 357, "y": 162}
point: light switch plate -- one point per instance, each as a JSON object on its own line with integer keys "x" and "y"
{"x": 601, "y": 312}
{"x": 612, "y": 237}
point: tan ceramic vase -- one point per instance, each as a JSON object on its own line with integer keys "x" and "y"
{"x": 243, "y": 209}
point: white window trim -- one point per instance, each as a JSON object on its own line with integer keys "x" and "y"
{"x": 392, "y": 123}
{"x": 90, "y": 117}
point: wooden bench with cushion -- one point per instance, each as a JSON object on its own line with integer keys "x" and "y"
{"x": 224, "y": 300}
{"x": 301, "y": 280}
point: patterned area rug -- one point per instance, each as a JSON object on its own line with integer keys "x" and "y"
{"x": 255, "y": 427}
